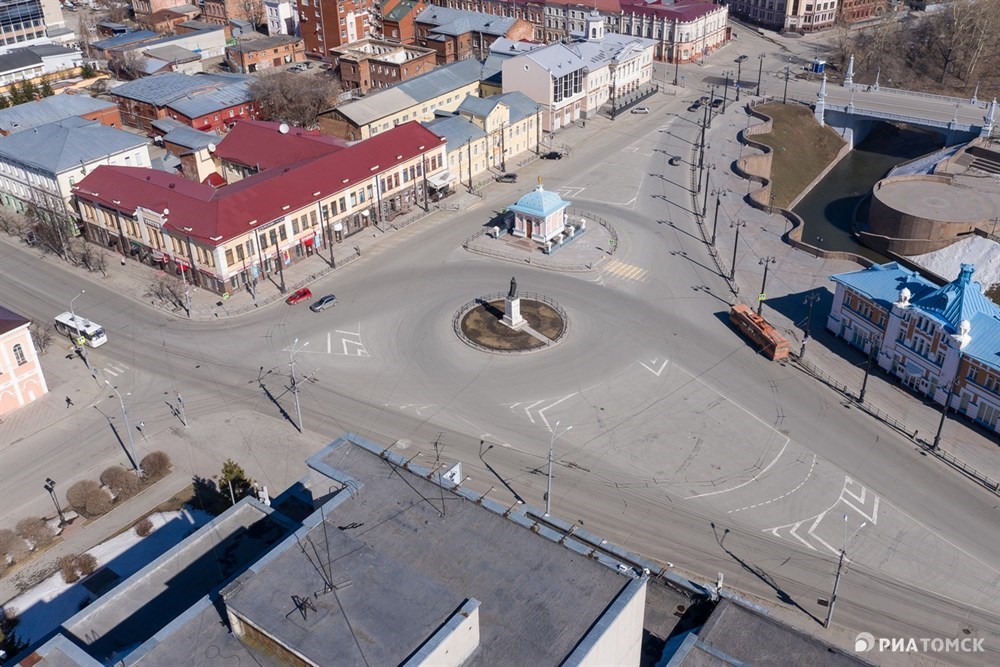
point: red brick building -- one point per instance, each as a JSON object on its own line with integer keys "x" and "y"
{"x": 257, "y": 55}
{"x": 456, "y": 34}
{"x": 853, "y": 11}
{"x": 372, "y": 63}
{"x": 397, "y": 20}
{"x": 329, "y": 24}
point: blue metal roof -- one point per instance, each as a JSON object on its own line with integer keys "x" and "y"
{"x": 882, "y": 283}
{"x": 65, "y": 144}
{"x": 540, "y": 203}
{"x": 456, "y": 130}
{"x": 961, "y": 299}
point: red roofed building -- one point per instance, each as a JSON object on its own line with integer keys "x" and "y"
{"x": 256, "y": 146}
{"x": 225, "y": 238}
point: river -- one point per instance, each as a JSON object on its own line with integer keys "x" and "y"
{"x": 828, "y": 208}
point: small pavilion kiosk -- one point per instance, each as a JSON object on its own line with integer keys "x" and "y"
{"x": 542, "y": 217}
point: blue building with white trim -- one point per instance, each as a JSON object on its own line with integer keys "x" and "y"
{"x": 942, "y": 342}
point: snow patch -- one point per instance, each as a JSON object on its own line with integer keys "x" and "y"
{"x": 976, "y": 250}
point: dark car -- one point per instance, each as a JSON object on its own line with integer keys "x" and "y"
{"x": 507, "y": 178}
{"x": 552, "y": 155}
{"x": 323, "y": 303}
{"x": 694, "y": 106}
{"x": 704, "y": 99}
{"x": 675, "y": 160}
{"x": 298, "y": 296}
{"x": 742, "y": 59}
{"x": 716, "y": 103}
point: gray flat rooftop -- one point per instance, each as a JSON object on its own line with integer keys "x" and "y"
{"x": 938, "y": 201}
{"x": 140, "y": 607}
{"x": 538, "y": 598}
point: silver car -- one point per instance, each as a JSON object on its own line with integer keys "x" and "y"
{"x": 323, "y": 303}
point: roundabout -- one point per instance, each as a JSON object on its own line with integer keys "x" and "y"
{"x": 483, "y": 323}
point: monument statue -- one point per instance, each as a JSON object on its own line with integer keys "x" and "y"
{"x": 513, "y": 288}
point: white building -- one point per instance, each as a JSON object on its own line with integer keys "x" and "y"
{"x": 940, "y": 342}
{"x": 37, "y": 61}
{"x": 282, "y": 19}
{"x": 572, "y": 81}
{"x": 40, "y": 166}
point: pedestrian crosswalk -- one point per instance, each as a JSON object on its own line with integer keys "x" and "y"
{"x": 114, "y": 369}
{"x": 626, "y": 271}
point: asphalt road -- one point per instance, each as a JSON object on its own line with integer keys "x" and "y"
{"x": 685, "y": 446}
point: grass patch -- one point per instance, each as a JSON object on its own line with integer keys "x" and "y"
{"x": 802, "y": 149}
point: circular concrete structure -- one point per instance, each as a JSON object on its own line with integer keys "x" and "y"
{"x": 920, "y": 213}
{"x": 480, "y": 324}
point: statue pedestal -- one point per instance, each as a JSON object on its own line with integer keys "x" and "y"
{"x": 512, "y": 312}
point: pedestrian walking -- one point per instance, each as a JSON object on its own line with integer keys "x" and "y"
{"x": 69, "y": 401}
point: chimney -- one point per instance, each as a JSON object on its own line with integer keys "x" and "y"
{"x": 965, "y": 274}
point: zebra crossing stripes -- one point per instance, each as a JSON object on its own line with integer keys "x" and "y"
{"x": 626, "y": 271}
{"x": 115, "y": 369}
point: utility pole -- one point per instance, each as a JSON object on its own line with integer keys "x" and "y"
{"x": 711, "y": 98}
{"x": 784, "y": 97}
{"x": 715, "y": 224}
{"x": 736, "y": 245}
{"x": 548, "y": 483}
{"x": 677, "y": 60}
{"x": 872, "y": 352}
{"x": 809, "y": 301}
{"x": 701, "y": 152}
{"x": 725, "y": 91}
{"x": 128, "y": 429}
{"x": 704, "y": 203}
{"x": 180, "y": 410}
{"x": 840, "y": 568}
{"x": 765, "y": 262}
{"x": 295, "y": 384}
{"x": 760, "y": 71}
{"x": 944, "y": 415}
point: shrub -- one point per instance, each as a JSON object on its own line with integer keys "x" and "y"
{"x": 155, "y": 465}
{"x": 77, "y": 494}
{"x": 12, "y": 546}
{"x": 35, "y": 530}
{"x": 85, "y": 564}
{"x": 144, "y": 528}
{"x": 98, "y": 502}
{"x": 233, "y": 474}
{"x": 67, "y": 565}
{"x": 123, "y": 483}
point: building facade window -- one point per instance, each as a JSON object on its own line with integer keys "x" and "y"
{"x": 19, "y": 355}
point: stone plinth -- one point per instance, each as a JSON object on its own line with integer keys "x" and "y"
{"x": 512, "y": 312}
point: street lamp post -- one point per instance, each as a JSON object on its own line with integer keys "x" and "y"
{"x": 784, "y": 97}
{"x": 295, "y": 384}
{"x": 736, "y": 245}
{"x": 128, "y": 429}
{"x": 79, "y": 348}
{"x": 715, "y": 223}
{"x": 739, "y": 70}
{"x": 944, "y": 415}
{"x": 704, "y": 203}
{"x": 72, "y": 301}
{"x": 548, "y": 483}
{"x": 711, "y": 98}
{"x": 840, "y": 568}
{"x": 725, "y": 91}
{"x": 765, "y": 262}
{"x": 872, "y": 353}
{"x": 50, "y": 486}
{"x": 809, "y": 301}
{"x": 760, "y": 71}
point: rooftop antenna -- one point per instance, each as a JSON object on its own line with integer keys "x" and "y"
{"x": 302, "y": 605}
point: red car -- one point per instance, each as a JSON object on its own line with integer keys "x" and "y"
{"x": 299, "y": 295}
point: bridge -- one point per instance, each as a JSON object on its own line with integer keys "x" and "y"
{"x": 852, "y": 107}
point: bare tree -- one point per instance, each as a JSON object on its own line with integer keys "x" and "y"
{"x": 12, "y": 546}
{"x": 36, "y": 531}
{"x": 85, "y": 34}
{"x": 253, "y": 11}
{"x": 41, "y": 336}
{"x": 289, "y": 98}
{"x": 130, "y": 65}
{"x": 117, "y": 11}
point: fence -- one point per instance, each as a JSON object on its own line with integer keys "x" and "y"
{"x": 985, "y": 480}
{"x": 456, "y": 320}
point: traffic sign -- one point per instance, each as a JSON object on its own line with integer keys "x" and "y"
{"x": 761, "y": 296}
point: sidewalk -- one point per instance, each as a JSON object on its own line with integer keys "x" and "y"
{"x": 792, "y": 276}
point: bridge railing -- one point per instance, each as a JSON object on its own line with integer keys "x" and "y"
{"x": 926, "y": 96}
{"x": 919, "y": 120}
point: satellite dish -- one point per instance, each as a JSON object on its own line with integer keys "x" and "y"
{"x": 166, "y": 211}
{"x": 211, "y": 148}
{"x": 283, "y": 128}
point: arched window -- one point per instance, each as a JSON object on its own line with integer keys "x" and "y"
{"x": 19, "y": 355}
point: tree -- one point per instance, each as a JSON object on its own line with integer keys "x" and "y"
{"x": 12, "y": 546}
{"x": 113, "y": 10}
{"x": 4, "y": 102}
{"x": 27, "y": 90}
{"x": 88, "y": 71}
{"x": 36, "y": 531}
{"x": 155, "y": 465}
{"x": 46, "y": 89}
{"x": 296, "y": 100}
{"x": 233, "y": 474}
{"x": 41, "y": 336}
{"x": 129, "y": 65}
{"x": 77, "y": 494}
{"x": 253, "y": 11}
{"x": 85, "y": 35}
{"x": 122, "y": 483}
{"x": 144, "y": 527}
{"x": 98, "y": 503}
